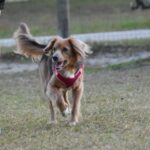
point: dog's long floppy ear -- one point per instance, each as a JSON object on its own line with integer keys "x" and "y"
{"x": 79, "y": 47}
{"x": 50, "y": 45}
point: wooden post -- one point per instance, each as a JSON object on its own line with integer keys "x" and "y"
{"x": 2, "y": 2}
{"x": 63, "y": 17}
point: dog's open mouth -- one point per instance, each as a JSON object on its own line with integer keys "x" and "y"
{"x": 60, "y": 65}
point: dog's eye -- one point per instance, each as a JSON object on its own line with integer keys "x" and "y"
{"x": 65, "y": 49}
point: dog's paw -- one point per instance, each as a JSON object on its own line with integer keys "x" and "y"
{"x": 52, "y": 122}
{"x": 72, "y": 123}
{"x": 66, "y": 112}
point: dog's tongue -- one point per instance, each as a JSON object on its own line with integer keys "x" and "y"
{"x": 58, "y": 65}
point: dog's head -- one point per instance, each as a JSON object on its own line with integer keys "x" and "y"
{"x": 67, "y": 52}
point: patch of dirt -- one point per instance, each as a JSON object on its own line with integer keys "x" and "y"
{"x": 10, "y": 68}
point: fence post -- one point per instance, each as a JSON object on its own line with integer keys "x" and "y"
{"x": 63, "y": 17}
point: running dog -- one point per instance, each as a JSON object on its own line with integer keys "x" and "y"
{"x": 61, "y": 68}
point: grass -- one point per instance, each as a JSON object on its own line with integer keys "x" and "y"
{"x": 85, "y": 16}
{"x": 130, "y": 64}
{"x": 115, "y": 112}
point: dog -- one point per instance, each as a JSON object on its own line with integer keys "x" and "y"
{"x": 61, "y": 68}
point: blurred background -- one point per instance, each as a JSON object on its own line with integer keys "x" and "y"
{"x": 86, "y": 16}
{"x": 102, "y": 19}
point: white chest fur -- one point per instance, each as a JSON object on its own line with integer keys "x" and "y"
{"x": 68, "y": 74}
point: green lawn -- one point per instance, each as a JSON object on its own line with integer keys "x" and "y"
{"x": 85, "y": 16}
{"x": 115, "y": 113}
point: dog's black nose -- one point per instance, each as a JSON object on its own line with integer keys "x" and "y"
{"x": 55, "y": 58}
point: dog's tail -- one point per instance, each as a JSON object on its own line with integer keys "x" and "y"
{"x": 26, "y": 44}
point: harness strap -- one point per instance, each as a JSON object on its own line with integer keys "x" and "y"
{"x": 69, "y": 81}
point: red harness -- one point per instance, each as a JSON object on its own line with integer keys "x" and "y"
{"x": 69, "y": 81}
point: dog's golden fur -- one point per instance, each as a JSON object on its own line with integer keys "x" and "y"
{"x": 66, "y": 55}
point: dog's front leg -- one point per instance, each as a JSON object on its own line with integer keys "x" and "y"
{"x": 77, "y": 94}
{"x": 62, "y": 104}
{"x": 55, "y": 96}
{"x": 68, "y": 109}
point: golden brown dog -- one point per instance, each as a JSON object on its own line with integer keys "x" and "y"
{"x": 60, "y": 67}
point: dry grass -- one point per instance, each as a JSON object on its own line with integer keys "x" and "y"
{"x": 115, "y": 110}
